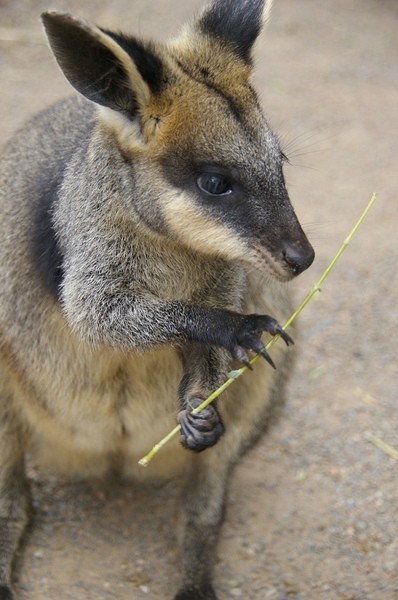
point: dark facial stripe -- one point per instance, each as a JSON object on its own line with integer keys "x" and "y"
{"x": 231, "y": 104}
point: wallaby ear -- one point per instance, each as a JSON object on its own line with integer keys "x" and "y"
{"x": 107, "y": 68}
{"x": 237, "y": 22}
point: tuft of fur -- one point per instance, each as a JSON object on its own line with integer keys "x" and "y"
{"x": 145, "y": 235}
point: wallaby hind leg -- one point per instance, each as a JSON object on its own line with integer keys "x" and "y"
{"x": 201, "y": 520}
{"x": 14, "y": 498}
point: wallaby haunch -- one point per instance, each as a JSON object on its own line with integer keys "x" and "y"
{"x": 145, "y": 232}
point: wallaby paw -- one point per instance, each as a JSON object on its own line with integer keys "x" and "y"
{"x": 202, "y": 430}
{"x": 247, "y": 337}
{"x": 6, "y": 593}
{"x": 207, "y": 593}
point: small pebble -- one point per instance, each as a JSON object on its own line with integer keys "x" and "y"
{"x": 144, "y": 589}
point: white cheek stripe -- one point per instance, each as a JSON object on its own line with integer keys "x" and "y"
{"x": 199, "y": 231}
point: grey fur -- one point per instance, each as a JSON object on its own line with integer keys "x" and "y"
{"x": 127, "y": 284}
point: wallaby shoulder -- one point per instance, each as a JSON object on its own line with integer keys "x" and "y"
{"x": 53, "y": 134}
{"x": 29, "y": 186}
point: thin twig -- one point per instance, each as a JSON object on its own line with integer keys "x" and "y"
{"x": 386, "y": 448}
{"x": 235, "y": 374}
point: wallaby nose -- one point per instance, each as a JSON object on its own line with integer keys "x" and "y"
{"x": 298, "y": 256}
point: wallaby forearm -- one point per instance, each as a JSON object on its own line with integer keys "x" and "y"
{"x": 132, "y": 322}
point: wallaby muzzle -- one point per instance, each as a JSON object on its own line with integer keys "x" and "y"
{"x": 298, "y": 256}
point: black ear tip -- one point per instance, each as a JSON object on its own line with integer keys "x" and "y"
{"x": 52, "y": 15}
{"x": 53, "y": 18}
{"x": 47, "y": 17}
{"x": 237, "y": 21}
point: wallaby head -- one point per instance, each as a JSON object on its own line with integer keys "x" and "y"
{"x": 207, "y": 167}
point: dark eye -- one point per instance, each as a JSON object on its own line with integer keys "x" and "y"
{"x": 214, "y": 184}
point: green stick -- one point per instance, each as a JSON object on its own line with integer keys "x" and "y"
{"x": 235, "y": 374}
{"x": 386, "y": 448}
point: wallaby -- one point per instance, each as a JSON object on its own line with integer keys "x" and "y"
{"x": 145, "y": 235}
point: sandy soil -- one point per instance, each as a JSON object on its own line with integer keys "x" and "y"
{"x": 313, "y": 509}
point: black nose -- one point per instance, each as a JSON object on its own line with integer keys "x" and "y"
{"x": 298, "y": 256}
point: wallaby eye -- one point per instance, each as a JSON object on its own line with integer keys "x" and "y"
{"x": 214, "y": 184}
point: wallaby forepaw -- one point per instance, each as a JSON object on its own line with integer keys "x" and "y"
{"x": 272, "y": 326}
{"x": 6, "y": 593}
{"x": 247, "y": 337}
{"x": 202, "y": 430}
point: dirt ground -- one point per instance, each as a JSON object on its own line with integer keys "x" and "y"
{"x": 313, "y": 509}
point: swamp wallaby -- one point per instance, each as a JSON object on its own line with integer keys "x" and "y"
{"x": 145, "y": 234}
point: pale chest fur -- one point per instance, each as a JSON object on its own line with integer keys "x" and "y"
{"x": 114, "y": 406}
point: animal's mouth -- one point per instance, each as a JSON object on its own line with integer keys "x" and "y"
{"x": 265, "y": 260}
{"x": 286, "y": 263}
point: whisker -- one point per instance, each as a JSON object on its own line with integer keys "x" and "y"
{"x": 295, "y": 146}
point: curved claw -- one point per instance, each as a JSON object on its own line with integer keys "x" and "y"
{"x": 247, "y": 365}
{"x": 267, "y": 357}
{"x": 258, "y": 347}
{"x": 240, "y": 354}
{"x": 272, "y": 326}
{"x": 286, "y": 338}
